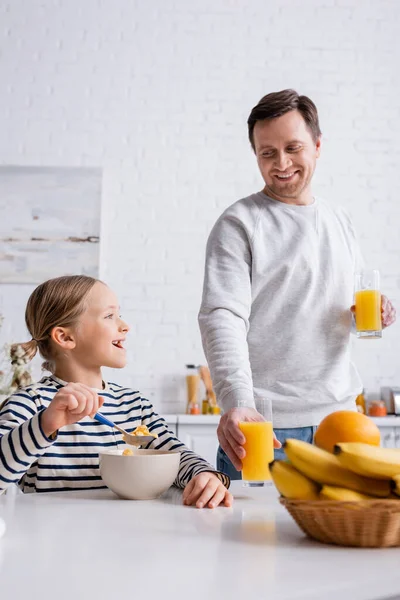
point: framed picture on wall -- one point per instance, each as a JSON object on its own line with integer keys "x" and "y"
{"x": 49, "y": 222}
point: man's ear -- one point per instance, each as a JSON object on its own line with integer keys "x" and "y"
{"x": 63, "y": 338}
{"x": 318, "y": 146}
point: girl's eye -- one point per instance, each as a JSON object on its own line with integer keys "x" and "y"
{"x": 110, "y": 316}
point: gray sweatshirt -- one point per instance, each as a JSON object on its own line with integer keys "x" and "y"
{"x": 275, "y": 316}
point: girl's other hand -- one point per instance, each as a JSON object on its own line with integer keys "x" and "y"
{"x": 206, "y": 489}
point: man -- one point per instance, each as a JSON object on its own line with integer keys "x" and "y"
{"x": 275, "y": 317}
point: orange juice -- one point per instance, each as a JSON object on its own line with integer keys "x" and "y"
{"x": 368, "y": 310}
{"x": 259, "y": 449}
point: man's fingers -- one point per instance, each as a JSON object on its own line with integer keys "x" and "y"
{"x": 236, "y": 448}
{"x": 388, "y": 314}
{"x": 222, "y": 439}
{"x": 226, "y": 447}
{"x": 388, "y": 319}
{"x": 232, "y": 426}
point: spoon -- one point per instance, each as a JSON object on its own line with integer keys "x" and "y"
{"x": 132, "y": 440}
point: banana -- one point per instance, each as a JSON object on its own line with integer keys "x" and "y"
{"x": 324, "y": 468}
{"x": 291, "y": 483}
{"x": 330, "y": 492}
{"x": 370, "y": 461}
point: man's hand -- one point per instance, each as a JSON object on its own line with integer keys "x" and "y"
{"x": 71, "y": 404}
{"x": 206, "y": 489}
{"x": 231, "y": 438}
{"x": 388, "y": 312}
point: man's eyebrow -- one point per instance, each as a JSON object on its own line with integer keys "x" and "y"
{"x": 269, "y": 146}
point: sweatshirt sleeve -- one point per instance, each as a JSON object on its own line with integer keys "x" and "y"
{"x": 22, "y": 440}
{"x": 225, "y": 310}
{"x": 191, "y": 464}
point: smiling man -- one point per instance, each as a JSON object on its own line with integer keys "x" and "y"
{"x": 279, "y": 278}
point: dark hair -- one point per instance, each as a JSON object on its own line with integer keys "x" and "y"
{"x": 277, "y": 104}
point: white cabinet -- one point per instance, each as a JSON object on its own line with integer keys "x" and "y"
{"x": 390, "y": 430}
{"x": 199, "y": 433}
{"x": 388, "y": 437}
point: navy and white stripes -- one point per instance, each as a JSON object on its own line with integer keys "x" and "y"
{"x": 70, "y": 461}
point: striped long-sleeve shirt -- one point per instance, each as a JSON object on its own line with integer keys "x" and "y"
{"x": 70, "y": 461}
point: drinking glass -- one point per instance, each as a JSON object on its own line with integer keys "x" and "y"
{"x": 259, "y": 446}
{"x": 368, "y": 305}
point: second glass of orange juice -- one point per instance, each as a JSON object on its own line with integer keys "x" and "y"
{"x": 259, "y": 447}
{"x": 368, "y": 305}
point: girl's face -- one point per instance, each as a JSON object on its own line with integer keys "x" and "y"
{"x": 100, "y": 332}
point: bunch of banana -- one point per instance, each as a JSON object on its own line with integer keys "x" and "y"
{"x": 291, "y": 483}
{"x": 326, "y": 469}
{"x": 369, "y": 461}
{"x": 330, "y": 492}
{"x": 311, "y": 467}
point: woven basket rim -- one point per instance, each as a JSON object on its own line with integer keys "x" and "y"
{"x": 376, "y": 504}
{"x": 364, "y": 524}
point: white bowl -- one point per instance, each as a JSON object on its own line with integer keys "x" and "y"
{"x": 143, "y": 476}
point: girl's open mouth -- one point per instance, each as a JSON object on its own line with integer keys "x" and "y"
{"x": 118, "y": 344}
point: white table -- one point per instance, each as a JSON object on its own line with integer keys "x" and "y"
{"x": 94, "y": 546}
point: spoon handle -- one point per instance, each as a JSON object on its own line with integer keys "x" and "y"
{"x": 102, "y": 419}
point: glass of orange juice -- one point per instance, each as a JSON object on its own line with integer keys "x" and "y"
{"x": 368, "y": 304}
{"x": 259, "y": 447}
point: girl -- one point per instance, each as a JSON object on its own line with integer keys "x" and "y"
{"x": 49, "y": 440}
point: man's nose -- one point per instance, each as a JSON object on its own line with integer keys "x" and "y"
{"x": 283, "y": 161}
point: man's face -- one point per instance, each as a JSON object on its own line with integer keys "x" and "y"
{"x": 286, "y": 156}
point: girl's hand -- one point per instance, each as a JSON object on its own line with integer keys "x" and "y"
{"x": 206, "y": 489}
{"x": 71, "y": 404}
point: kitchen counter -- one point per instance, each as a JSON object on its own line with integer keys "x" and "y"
{"x": 388, "y": 421}
{"x": 93, "y": 546}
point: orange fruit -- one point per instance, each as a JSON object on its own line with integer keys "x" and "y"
{"x": 346, "y": 426}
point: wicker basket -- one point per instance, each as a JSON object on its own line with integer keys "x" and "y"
{"x": 367, "y": 524}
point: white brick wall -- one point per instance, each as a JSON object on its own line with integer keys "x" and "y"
{"x": 157, "y": 94}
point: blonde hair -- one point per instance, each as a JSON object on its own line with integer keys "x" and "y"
{"x": 55, "y": 303}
